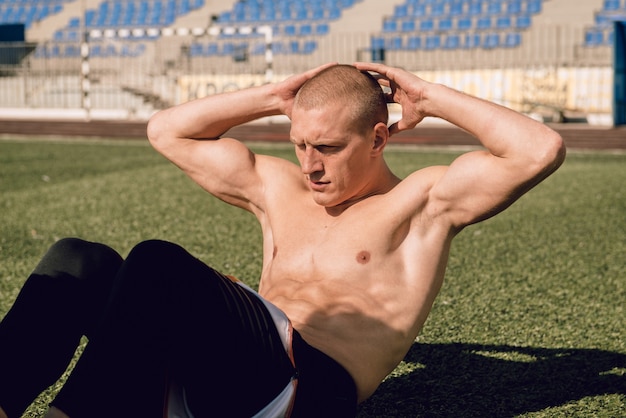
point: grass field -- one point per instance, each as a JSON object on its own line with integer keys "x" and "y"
{"x": 530, "y": 321}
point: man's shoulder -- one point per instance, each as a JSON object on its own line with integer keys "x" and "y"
{"x": 420, "y": 181}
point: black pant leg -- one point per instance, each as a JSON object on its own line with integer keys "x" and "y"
{"x": 173, "y": 315}
{"x": 62, "y": 300}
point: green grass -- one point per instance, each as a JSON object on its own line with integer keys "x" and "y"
{"x": 530, "y": 321}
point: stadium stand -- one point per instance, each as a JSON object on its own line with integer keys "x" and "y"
{"x": 134, "y": 65}
{"x": 299, "y": 26}
{"x": 29, "y": 12}
{"x": 601, "y": 32}
{"x": 456, "y": 24}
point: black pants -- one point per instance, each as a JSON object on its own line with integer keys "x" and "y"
{"x": 159, "y": 314}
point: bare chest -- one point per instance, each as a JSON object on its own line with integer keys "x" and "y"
{"x": 319, "y": 246}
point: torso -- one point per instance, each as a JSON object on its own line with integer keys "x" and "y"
{"x": 357, "y": 286}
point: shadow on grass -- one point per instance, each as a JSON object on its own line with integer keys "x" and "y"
{"x": 471, "y": 380}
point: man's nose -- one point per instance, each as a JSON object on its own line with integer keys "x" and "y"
{"x": 310, "y": 162}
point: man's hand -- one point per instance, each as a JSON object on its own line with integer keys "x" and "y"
{"x": 287, "y": 89}
{"x": 407, "y": 90}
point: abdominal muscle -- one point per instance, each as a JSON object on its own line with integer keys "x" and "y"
{"x": 368, "y": 332}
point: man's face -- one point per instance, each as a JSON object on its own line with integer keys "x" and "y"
{"x": 333, "y": 157}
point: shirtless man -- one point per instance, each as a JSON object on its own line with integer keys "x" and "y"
{"x": 352, "y": 254}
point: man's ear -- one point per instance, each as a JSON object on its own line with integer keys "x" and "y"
{"x": 381, "y": 136}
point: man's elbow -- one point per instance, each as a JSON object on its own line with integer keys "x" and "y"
{"x": 155, "y": 130}
{"x": 554, "y": 151}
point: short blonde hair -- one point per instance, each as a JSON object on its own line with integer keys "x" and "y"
{"x": 346, "y": 84}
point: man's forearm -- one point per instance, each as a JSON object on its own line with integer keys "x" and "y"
{"x": 210, "y": 117}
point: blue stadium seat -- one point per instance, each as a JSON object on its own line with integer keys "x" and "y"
{"x": 309, "y": 46}
{"x": 322, "y": 29}
{"x": 289, "y": 30}
{"x": 305, "y": 29}
{"x": 437, "y": 9}
{"x": 513, "y": 39}
{"x": 475, "y": 7}
{"x": 610, "y": 5}
{"x": 377, "y": 42}
{"x": 514, "y": 7}
{"x": 594, "y": 37}
{"x": 472, "y": 40}
{"x": 522, "y": 21}
{"x": 534, "y": 6}
{"x": 408, "y": 26}
{"x": 464, "y": 23}
{"x": 445, "y": 24}
{"x": 433, "y": 42}
{"x": 390, "y": 25}
{"x": 196, "y": 49}
{"x": 427, "y": 25}
{"x": 503, "y": 22}
{"x": 419, "y": 10}
{"x": 494, "y": 7}
{"x": 394, "y": 43}
{"x": 453, "y": 41}
{"x": 414, "y": 42}
{"x": 456, "y": 8}
{"x": 491, "y": 40}
{"x": 401, "y": 10}
{"x": 483, "y": 22}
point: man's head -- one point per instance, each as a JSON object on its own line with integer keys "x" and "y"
{"x": 339, "y": 128}
{"x": 345, "y": 85}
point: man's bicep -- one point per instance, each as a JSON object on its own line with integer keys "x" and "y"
{"x": 226, "y": 168}
{"x": 476, "y": 186}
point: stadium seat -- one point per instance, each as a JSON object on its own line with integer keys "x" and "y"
{"x": 437, "y": 9}
{"x": 472, "y": 40}
{"x": 534, "y": 6}
{"x": 514, "y": 7}
{"x": 309, "y": 47}
{"x": 394, "y": 43}
{"x": 464, "y": 23}
{"x": 408, "y": 26}
{"x": 491, "y": 40}
{"x": 390, "y": 25}
{"x": 483, "y": 22}
{"x": 475, "y": 7}
{"x": 322, "y": 29}
{"x": 414, "y": 42}
{"x": 433, "y": 42}
{"x": 426, "y": 25}
{"x": 513, "y": 39}
{"x": 594, "y": 37}
{"x": 503, "y": 22}
{"x": 494, "y": 7}
{"x": 445, "y": 24}
{"x": 419, "y": 10}
{"x": 456, "y": 8}
{"x": 522, "y": 21}
{"x": 453, "y": 41}
{"x": 401, "y": 10}
{"x": 610, "y": 5}
{"x": 305, "y": 29}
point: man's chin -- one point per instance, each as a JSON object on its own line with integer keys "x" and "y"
{"x": 325, "y": 200}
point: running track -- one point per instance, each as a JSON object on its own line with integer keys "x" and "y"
{"x": 576, "y": 136}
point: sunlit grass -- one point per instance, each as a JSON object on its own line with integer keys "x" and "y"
{"x": 530, "y": 321}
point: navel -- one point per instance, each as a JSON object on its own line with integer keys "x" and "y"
{"x": 363, "y": 257}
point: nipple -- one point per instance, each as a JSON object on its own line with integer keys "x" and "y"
{"x": 363, "y": 257}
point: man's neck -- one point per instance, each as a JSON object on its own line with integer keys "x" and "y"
{"x": 383, "y": 183}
